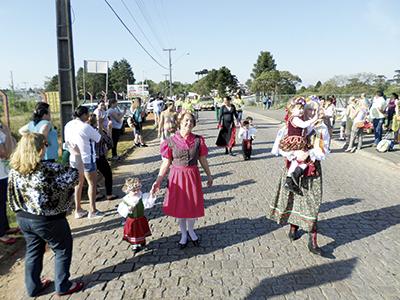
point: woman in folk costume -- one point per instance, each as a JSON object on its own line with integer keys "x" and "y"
{"x": 294, "y": 145}
{"x": 168, "y": 121}
{"x": 302, "y": 212}
{"x": 184, "y": 198}
{"x": 226, "y": 124}
{"x": 136, "y": 227}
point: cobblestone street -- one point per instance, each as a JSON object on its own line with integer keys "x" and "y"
{"x": 243, "y": 255}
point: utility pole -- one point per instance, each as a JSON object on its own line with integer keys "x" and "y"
{"x": 66, "y": 67}
{"x": 12, "y": 81}
{"x": 170, "y": 69}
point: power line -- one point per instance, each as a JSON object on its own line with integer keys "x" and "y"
{"x": 143, "y": 11}
{"x": 140, "y": 44}
{"x": 141, "y": 30}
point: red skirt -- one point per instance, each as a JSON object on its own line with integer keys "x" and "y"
{"x": 184, "y": 197}
{"x": 136, "y": 230}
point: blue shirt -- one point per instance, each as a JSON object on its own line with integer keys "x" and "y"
{"x": 52, "y": 138}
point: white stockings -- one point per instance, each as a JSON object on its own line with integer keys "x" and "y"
{"x": 187, "y": 226}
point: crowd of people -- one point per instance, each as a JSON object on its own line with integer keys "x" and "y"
{"x": 40, "y": 190}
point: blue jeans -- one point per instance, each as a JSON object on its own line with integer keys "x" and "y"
{"x": 378, "y": 124}
{"x": 57, "y": 234}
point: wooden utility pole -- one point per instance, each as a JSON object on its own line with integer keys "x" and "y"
{"x": 66, "y": 67}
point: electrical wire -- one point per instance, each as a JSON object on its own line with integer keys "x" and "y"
{"x": 147, "y": 18}
{"x": 141, "y": 30}
{"x": 130, "y": 32}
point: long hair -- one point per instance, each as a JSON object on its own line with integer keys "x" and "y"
{"x": 26, "y": 157}
{"x": 41, "y": 109}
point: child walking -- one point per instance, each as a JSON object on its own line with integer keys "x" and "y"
{"x": 136, "y": 227}
{"x": 247, "y": 135}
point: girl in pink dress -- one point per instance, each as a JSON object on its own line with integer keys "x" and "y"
{"x": 184, "y": 197}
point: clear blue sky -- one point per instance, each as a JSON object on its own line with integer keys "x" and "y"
{"x": 311, "y": 38}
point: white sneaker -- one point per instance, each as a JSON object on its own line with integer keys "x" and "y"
{"x": 96, "y": 214}
{"x": 80, "y": 214}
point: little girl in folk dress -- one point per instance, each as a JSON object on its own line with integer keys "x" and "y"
{"x": 294, "y": 145}
{"x": 136, "y": 227}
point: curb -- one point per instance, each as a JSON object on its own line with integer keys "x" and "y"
{"x": 338, "y": 144}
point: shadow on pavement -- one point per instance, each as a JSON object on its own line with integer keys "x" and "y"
{"x": 349, "y": 228}
{"x": 165, "y": 249}
{"x": 303, "y": 279}
{"x": 326, "y": 206}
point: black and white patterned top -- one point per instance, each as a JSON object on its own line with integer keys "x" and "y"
{"x": 45, "y": 192}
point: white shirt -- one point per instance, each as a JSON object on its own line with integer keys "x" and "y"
{"x": 246, "y": 134}
{"x": 361, "y": 115}
{"x": 85, "y": 137}
{"x": 101, "y": 114}
{"x": 378, "y": 105}
{"x": 157, "y": 106}
{"x": 116, "y": 123}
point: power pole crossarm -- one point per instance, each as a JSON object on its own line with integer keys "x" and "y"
{"x": 170, "y": 69}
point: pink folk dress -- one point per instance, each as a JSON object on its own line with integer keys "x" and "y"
{"x": 184, "y": 197}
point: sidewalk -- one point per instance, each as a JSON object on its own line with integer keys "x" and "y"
{"x": 392, "y": 158}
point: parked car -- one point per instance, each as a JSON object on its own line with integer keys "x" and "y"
{"x": 91, "y": 106}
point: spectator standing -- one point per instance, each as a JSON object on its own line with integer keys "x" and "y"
{"x": 168, "y": 121}
{"x": 269, "y": 102}
{"x": 102, "y": 164}
{"x": 137, "y": 122}
{"x": 39, "y": 194}
{"x": 358, "y": 126}
{"x": 101, "y": 115}
{"x": 396, "y": 118}
{"x": 117, "y": 119}
{"x": 79, "y": 132}
{"x": 391, "y": 110}
{"x": 377, "y": 115}
{"x": 41, "y": 123}
{"x": 7, "y": 145}
{"x": 158, "y": 107}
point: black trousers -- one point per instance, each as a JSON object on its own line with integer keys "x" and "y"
{"x": 116, "y": 133}
{"x": 104, "y": 167}
{"x": 4, "y": 226}
{"x": 247, "y": 148}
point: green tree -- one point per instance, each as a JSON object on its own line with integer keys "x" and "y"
{"x": 120, "y": 74}
{"x": 226, "y": 82}
{"x": 51, "y": 84}
{"x": 265, "y": 62}
{"x": 276, "y": 82}
{"x": 94, "y": 84}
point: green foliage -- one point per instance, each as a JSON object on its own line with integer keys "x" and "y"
{"x": 51, "y": 84}
{"x": 275, "y": 82}
{"x": 221, "y": 80}
{"x": 94, "y": 84}
{"x": 265, "y": 62}
{"x": 120, "y": 73}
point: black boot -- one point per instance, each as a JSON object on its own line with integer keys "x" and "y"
{"x": 293, "y": 232}
{"x": 312, "y": 243}
{"x": 226, "y": 150}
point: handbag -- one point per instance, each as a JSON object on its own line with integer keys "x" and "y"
{"x": 359, "y": 124}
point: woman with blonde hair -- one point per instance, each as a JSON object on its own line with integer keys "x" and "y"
{"x": 40, "y": 195}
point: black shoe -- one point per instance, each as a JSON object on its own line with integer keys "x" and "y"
{"x": 143, "y": 145}
{"x": 226, "y": 151}
{"x": 196, "y": 243}
{"x": 293, "y": 235}
{"x": 232, "y": 154}
{"x": 137, "y": 144}
{"x": 182, "y": 246}
{"x": 137, "y": 249}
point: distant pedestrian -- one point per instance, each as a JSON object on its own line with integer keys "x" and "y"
{"x": 247, "y": 135}
{"x": 269, "y": 102}
{"x": 227, "y": 126}
{"x": 168, "y": 122}
{"x": 396, "y": 118}
{"x": 357, "y": 130}
{"x": 158, "y": 107}
{"x": 136, "y": 122}
{"x": 377, "y": 114}
{"x": 391, "y": 110}
{"x": 117, "y": 119}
